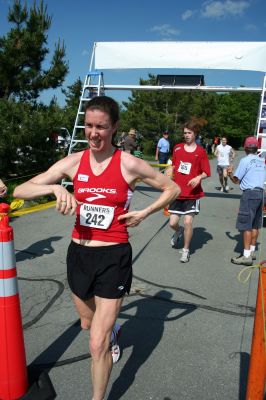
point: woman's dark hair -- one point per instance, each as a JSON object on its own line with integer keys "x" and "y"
{"x": 105, "y": 104}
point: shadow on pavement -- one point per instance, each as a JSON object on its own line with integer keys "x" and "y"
{"x": 50, "y": 356}
{"x": 143, "y": 332}
{"x": 223, "y": 195}
{"x": 200, "y": 237}
{"x": 37, "y": 249}
{"x": 238, "y": 239}
{"x": 243, "y": 375}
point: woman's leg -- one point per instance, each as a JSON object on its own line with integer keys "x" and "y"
{"x": 85, "y": 309}
{"x": 102, "y": 324}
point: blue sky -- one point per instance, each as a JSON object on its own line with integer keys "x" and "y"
{"x": 80, "y": 23}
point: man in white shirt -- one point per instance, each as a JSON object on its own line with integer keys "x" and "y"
{"x": 225, "y": 155}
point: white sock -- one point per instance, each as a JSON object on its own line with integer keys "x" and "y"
{"x": 185, "y": 250}
{"x": 252, "y": 248}
{"x": 247, "y": 253}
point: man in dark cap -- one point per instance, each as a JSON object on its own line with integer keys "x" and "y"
{"x": 250, "y": 174}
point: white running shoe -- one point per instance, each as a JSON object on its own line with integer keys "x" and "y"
{"x": 115, "y": 351}
{"x": 114, "y": 347}
{"x": 185, "y": 256}
{"x": 227, "y": 188}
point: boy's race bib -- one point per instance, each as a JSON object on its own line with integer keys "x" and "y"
{"x": 184, "y": 168}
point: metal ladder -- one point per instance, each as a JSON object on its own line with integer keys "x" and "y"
{"x": 261, "y": 122}
{"x": 93, "y": 86}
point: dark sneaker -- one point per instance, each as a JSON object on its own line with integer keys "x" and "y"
{"x": 177, "y": 236}
{"x": 114, "y": 347}
{"x": 185, "y": 256}
{"x": 241, "y": 260}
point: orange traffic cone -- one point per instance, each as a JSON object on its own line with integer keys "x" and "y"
{"x": 13, "y": 369}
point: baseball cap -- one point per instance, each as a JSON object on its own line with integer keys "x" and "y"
{"x": 251, "y": 141}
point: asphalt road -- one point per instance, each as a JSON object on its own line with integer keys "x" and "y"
{"x": 187, "y": 328}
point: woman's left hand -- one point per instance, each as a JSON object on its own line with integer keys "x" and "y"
{"x": 133, "y": 218}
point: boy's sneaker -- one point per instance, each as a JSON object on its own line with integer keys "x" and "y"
{"x": 114, "y": 347}
{"x": 253, "y": 255}
{"x": 222, "y": 189}
{"x": 177, "y": 236}
{"x": 185, "y": 256}
{"x": 227, "y": 188}
{"x": 241, "y": 260}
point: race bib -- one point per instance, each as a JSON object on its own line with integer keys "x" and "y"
{"x": 184, "y": 168}
{"x": 94, "y": 216}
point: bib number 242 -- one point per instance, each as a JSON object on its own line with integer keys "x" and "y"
{"x": 95, "y": 216}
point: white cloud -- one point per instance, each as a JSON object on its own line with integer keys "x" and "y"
{"x": 165, "y": 30}
{"x": 251, "y": 27}
{"x": 217, "y": 9}
{"x": 187, "y": 14}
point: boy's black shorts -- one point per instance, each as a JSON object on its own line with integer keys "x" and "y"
{"x": 104, "y": 271}
{"x": 184, "y": 206}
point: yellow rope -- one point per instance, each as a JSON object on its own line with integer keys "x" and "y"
{"x": 249, "y": 271}
{"x": 159, "y": 165}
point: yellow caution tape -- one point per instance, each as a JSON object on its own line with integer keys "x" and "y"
{"x": 32, "y": 209}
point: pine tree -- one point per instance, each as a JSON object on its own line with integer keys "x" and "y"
{"x": 22, "y": 53}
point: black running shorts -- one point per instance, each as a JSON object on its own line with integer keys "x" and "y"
{"x": 183, "y": 207}
{"x": 104, "y": 271}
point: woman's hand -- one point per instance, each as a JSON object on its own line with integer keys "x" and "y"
{"x": 133, "y": 218}
{"x": 65, "y": 201}
{"x": 3, "y": 189}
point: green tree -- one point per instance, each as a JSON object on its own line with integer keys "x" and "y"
{"x": 22, "y": 53}
{"x": 28, "y": 137}
{"x": 236, "y": 116}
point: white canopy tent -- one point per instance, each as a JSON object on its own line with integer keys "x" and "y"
{"x": 249, "y": 56}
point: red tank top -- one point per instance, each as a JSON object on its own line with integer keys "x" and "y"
{"x": 104, "y": 198}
